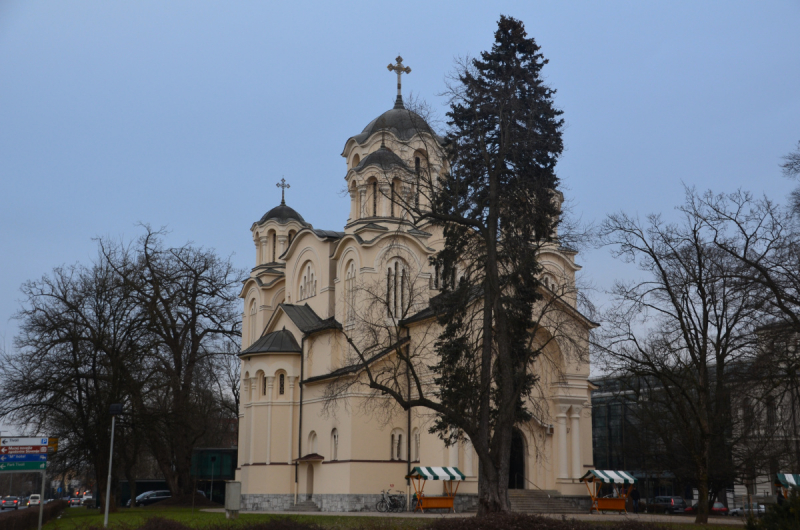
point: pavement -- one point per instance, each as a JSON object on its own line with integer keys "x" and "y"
{"x": 643, "y": 517}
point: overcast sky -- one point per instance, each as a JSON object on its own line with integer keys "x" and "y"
{"x": 186, "y": 114}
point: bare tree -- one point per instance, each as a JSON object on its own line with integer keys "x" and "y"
{"x": 189, "y": 299}
{"x": 685, "y": 333}
{"x": 79, "y": 349}
{"x": 791, "y": 169}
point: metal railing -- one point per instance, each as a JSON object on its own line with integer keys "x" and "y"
{"x": 517, "y": 476}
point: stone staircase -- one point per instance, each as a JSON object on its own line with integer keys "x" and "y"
{"x": 304, "y": 506}
{"x": 540, "y": 501}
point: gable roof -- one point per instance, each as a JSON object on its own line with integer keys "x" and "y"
{"x": 307, "y": 320}
{"x": 276, "y": 342}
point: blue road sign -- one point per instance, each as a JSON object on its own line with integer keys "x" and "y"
{"x": 24, "y": 458}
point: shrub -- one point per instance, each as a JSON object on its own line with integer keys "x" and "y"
{"x": 29, "y": 519}
{"x": 784, "y": 516}
{"x": 520, "y": 521}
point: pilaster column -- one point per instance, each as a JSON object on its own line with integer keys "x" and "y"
{"x": 258, "y": 251}
{"x": 291, "y": 381}
{"x": 468, "y": 458}
{"x": 270, "y": 382}
{"x": 453, "y": 456}
{"x": 561, "y": 433}
{"x": 353, "y": 204}
{"x": 251, "y": 431}
{"x": 265, "y": 250}
{"x": 384, "y": 200}
{"x": 575, "y": 436}
{"x": 362, "y": 201}
{"x": 283, "y": 243}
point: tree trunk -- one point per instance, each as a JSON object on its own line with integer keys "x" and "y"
{"x": 702, "y": 498}
{"x": 492, "y": 492}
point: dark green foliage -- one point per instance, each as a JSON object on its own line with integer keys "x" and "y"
{"x": 497, "y": 205}
{"x": 29, "y": 519}
{"x": 784, "y": 516}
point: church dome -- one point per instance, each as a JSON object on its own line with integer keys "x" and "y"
{"x": 384, "y": 159}
{"x": 400, "y": 121}
{"x": 283, "y": 214}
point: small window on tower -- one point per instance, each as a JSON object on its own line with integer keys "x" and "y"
{"x": 281, "y": 385}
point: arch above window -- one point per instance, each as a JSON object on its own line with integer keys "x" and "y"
{"x": 334, "y": 444}
{"x": 307, "y": 287}
{"x": 398, "y": 442}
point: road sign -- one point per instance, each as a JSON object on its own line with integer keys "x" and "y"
{"x": 9, "y": 441}
{"x": 24, "y": 458}
{"x": 52, "y": 445}
{"x": 22, "y": 449}
{"x": 23, "y": 466}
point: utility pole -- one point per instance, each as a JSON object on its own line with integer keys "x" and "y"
{"x": 115, "y": 409}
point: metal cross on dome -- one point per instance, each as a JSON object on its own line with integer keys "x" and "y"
{"x": 282, "y": 185}
{"x": 400, "y": 69}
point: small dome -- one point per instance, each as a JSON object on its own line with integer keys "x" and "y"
{"x": 283, "y": 214}
{"x": 384, "y": 159}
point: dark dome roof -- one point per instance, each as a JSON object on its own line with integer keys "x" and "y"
{"x": 283, "y": 214}
{"x": 383, "y": 158}
{"x": 400, "y": 121}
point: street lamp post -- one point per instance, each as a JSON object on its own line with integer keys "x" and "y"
{"x": 213, "y": 459}
{"x": 114, "y": 410}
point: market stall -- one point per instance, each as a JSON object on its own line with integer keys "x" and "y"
{"x": 621, "y": 482}
{"x": 786, "y": 482}
{"x": 448, "y": 475}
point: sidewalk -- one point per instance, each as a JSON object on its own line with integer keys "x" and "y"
{"x": 644, "y": 517}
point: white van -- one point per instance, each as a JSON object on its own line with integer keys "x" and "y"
{"x": 34, "y": 500}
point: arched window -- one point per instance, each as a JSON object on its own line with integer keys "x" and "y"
{"x": 398, "y": 290}
{"x": 334, "y": 444}
{"x": 312, "y": 442}
{"x": 308, "y": 283}
{"x": 397, "y": 445}
{"x": 415, "y": 445}
{"x": 350, "y": 292}
{"x": 282, "y": 384}
{"x": 417, "y": 167}
{"x": 274, "y": 247}
{"x": 253, "y": 327}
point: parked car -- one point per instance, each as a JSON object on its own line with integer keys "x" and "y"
{"x": 34, "y": 500}
{"x": 9, "y": 503}
{"x": 151, "y": 497}
{"x": 753, "y": 508}
{"x": 716, "y": 509}
{"x": 666, "y": 504}
{"x": 75, "y": 501}
{"x": 87, "y": 500}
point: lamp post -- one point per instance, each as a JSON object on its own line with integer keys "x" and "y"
{"x": 213, "y": 459}
{"x": 114, "y": 410}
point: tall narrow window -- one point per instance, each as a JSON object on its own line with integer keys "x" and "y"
{"x": 253, "y": 327}
{"x": 402, "y": 292}
{"x": 374, "y": 199}
{"x": 391, "y": 214}
{"x": 416, "y": 191}
{"x": 274, "y": 247}
{"x": 263, "y": 386}
{"x": 350, "y": 293}
{"x": 281, "y": 385}
{"x": 334, "y": 444}
{"x": 389, "y": 292}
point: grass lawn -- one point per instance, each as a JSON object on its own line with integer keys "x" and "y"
{"x": 130, "y": 519}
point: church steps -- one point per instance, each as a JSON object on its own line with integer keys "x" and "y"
{"x": 305, "y": 506}
{"x": 540, "y": 501}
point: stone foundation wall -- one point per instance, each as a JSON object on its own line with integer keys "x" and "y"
{"x": 579, "y": 502}
{"x": 335, "y": 502}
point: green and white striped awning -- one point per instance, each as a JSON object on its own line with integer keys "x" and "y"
{"x": 437, "y": 473}
{"x": 609, "y": 476}
{"x": 788, "y": 480}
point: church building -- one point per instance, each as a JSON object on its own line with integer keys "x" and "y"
{"x": 310, "y": 291}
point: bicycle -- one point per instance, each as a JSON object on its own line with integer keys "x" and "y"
{"x": 391, "y": 503}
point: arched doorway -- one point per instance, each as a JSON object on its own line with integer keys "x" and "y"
{"x": 516, "y": 469}
{"x": 310, "y": 481}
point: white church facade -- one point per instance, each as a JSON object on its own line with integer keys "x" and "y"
{"x": 301, "y": 301}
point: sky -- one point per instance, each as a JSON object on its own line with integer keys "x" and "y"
{"x": 186, "y": 114}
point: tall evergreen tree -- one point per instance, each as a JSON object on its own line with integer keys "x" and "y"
{"x": 497, "y": 206}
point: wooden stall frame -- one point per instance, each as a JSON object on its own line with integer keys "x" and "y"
{"x": 438, "y": 502}
{"x": 599, "y": 504}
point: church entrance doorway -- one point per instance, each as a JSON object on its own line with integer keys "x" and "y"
{"x": 310, "y": 481}
{"x": 516, "y": 469}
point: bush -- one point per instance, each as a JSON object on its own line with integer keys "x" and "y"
{"x": 520, "y": 521}
{"x": 29, "y": 519}
{"x": 784, "y": 516}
